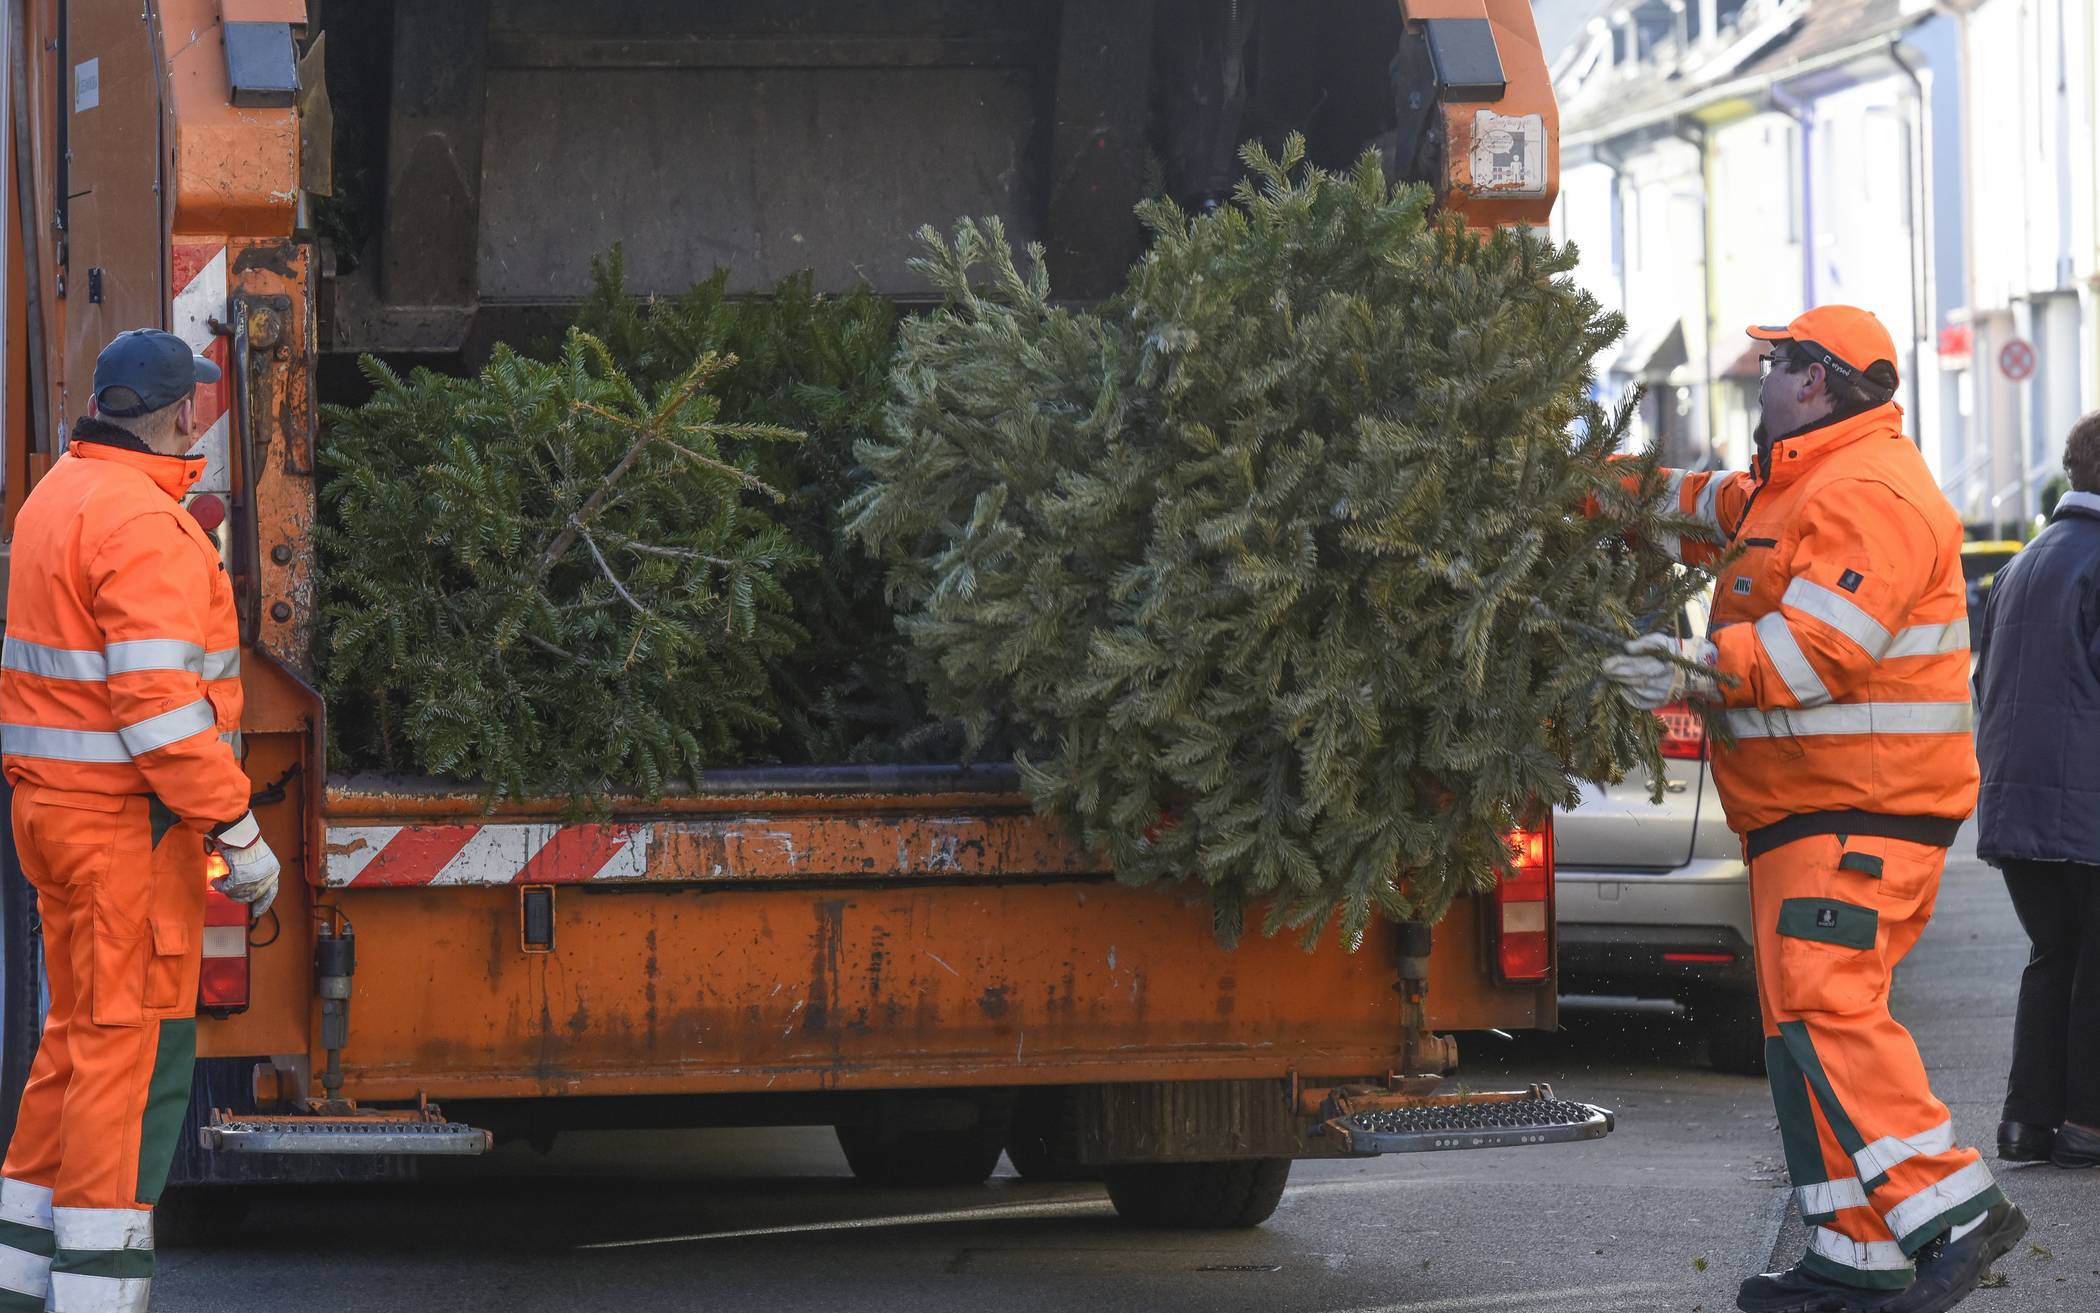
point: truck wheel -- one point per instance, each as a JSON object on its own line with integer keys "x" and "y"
{"x": 1210, "y": 1196}
{"x": 1735, "y": 1033}
{"x": 923, "y": 1157}
{"x": 1044, "y": 1141}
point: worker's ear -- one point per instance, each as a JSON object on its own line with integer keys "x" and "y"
{"x": 186, "y": 417}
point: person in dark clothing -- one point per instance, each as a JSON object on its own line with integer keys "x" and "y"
{"x": 2037, "y": 685}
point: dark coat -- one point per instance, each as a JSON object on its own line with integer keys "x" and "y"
{"x": 2038, "y": 697}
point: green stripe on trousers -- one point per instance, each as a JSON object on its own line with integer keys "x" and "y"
{"x": 167, "y": 1104}
{"x": 29, "y": 1239}
{"x": 123, "y": 1264}
{"x": 1797, "y": 1119}
{"x": 14, "y": 1301}
{"x": 1803, "y": 1051}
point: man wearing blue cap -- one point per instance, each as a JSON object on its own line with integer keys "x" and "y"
{"x": 120, "y": 693}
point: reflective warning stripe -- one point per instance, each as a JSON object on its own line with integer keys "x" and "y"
{"x": 169, "y": 727}
{"x": 1876, "y": 1159}
{"x": 51, "y": 662}
{"x": 1854, "y": 718}
{"x": 25, "y": 1204}
{"x": 24, "y": 1274}
{"x": 1929, "y": 640}
{"x": 85, "y": 1292}
{"x": 62, "y": 744}
{"x": 104, "y": 1262}
{"x": 1670, "y": 502}
{"x": 1840, "y": 613}
{"x": 128, "y": 657}
{"x": 1859, "y": 1255}
{"x": 1939, "y": 1198}
{"x": 1706, "y": 507}
{"x": 1828, "y": 1198}
{"x": 1784, "y": 652}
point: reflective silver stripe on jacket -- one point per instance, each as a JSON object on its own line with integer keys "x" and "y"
{"x": 1942, "y": 1195}
{"x": 130, "y": 656}
{"x": 1776, "y": 636}
{"x": 1669, "y": 502}
{"x": 62, "y": 744}
{"x": 1929, "y": 640}
{"x": 1875, "y": 1160}
{"x": 1840, "y": 613}
{"x": 1707, "y": 507}
{"x": 1859, "y": 1255}
{"x": 1854, "y": 718}
{"x": 169, "y": 727}
{"x": 1828, "y": 1198}
{"x": 52, "y": 662}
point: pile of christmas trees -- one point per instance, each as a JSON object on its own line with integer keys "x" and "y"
{"x": 1276, "y": 566}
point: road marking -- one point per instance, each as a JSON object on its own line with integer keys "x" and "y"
{"x": 1070, "y": 1207}
{"x": 1526, "y": 1300}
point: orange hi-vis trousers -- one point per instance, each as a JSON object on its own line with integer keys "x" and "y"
{"x": 1871, "y": 1152}
{"x": 121, "y": 896}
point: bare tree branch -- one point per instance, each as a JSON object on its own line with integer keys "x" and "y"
{"x": 610, "y": 577}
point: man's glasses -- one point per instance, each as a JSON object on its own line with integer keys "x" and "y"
{"x": 1775, "y": 360}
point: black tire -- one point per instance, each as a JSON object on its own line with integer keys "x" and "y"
{"x": 1044, "y": 1141}
{"x": 965, "y": 1157}
{"x": 1735, "y": 1033}
{"x": 1212, "y": 1196}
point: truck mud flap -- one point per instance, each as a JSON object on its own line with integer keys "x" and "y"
{"x": 1378, "y": 1123}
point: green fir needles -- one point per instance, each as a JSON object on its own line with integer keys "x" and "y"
{"x": 548, "y": 581}
{"x": 1281, "y": 558}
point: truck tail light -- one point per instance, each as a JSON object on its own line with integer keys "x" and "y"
{"x": 1683, "y": 733}
{"x": 222, "y": 980}
{"x": 1523, "y": 910}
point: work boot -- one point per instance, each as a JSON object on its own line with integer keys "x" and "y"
{"x": 1949, "y": 1269}
{"x": 1798, "y": 1290}
{"x": 2075, "y": 1146}
{"x": 2025, "y": 1142}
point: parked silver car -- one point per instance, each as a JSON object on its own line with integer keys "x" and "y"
{"x": 1654, "y": 899}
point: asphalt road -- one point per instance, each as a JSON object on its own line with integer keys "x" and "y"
{"x": 1668, "y": 1213}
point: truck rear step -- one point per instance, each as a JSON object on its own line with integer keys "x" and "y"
{"x": 357, "y": 1133}
{"x": 1415, "y": 1124}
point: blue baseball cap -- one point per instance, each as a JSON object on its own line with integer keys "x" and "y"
{"x": 145, "y": 370}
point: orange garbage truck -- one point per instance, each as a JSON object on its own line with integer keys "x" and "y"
{"x": 907, "y": 953}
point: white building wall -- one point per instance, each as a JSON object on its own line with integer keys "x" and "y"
{"x": 1663, "y": 209}
{"x": 2032, "y": 142}
{"x": 1757, "y": 251}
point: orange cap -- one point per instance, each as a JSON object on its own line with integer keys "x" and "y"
{"x": 1843, "y": 338}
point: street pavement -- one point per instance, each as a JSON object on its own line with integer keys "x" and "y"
{"x": 1668, "y": 1213}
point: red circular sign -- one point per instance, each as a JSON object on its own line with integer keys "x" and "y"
{"x": 2016, "y": 360}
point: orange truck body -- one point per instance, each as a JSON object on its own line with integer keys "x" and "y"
{"x": 829, "y": 932}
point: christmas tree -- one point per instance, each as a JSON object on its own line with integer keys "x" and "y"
{"x": 549, "y": 580}
{"x": 1279, "y": 560}
{"x": 818, "y": 365}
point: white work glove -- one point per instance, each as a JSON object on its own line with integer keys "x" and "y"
{"x": 1648, "y": 681}
{"x": 251, "y": 868}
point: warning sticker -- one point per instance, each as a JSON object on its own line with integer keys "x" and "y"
{"x": 87, "y": 84}
{"x": 1509, "y": 153}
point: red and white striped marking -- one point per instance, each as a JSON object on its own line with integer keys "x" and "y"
{"x": 411, "y": 856}
{"x": 199, "y": 270}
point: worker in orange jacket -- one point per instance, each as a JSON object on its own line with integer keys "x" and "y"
{"x": 1841, "y": 646}
{"x": 120, "y": 695}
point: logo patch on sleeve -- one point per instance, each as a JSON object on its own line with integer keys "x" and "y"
{"x": 1850, "y": 580}
{"x": 1826, "y": 917}
{"x": 1742, "y": 585}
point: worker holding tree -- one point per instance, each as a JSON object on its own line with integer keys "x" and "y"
{"x": 119, "y": 695}
{"x": 1840, "y": 663}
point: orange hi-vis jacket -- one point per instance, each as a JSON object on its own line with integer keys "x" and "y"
{"x": 122, "y": 662}
{"x": 1844, "y": 623}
